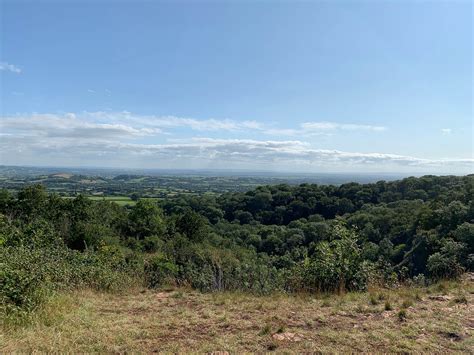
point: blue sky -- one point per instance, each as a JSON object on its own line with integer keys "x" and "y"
{"x": 310, "y": 86}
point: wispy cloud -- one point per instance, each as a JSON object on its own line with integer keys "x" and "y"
{"x": 114, "y": 145}
{"x": 212, "y": 124}
{"x": 45, "y": 126}
{"x": 332, "y": 126}
{"x": 322, "y": 128}
{"x": 116, "y": 139}
{"x": 163, "y": 123}
{"x": 446, "y": 131}
{"x": 169, "y": 122}
{"x": 9, "y": 67}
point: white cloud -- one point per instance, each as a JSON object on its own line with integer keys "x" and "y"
{"x": 90, "y": 91}
{"x": 162, "y": 123}
{"x": 289, "y": 132}
{"x": 124, "y": 139}
{"x": 331, "y": 126}
{"x": 322, "y": 128}
{"x": 169, "y": 122}
{"x": 446, "y": 131}
{"x": 69, "y": 125}
{"x": 48, "y": 124}
{"x": 305, "y": 129}
{"x": 9, "y": 67}
{"x": 102, "y": 147}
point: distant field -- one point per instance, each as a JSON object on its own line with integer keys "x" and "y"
{"x": 120, "y": 200}
{"x": 159, "y": 184}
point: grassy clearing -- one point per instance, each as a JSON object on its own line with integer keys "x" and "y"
{"x": 120, "y": 200}
{"x": 435, "y": 319}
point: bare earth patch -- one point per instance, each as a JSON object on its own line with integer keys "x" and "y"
{"x": 438, "y": 319}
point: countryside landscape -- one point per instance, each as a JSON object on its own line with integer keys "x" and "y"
{"x": 287, "y": 267}
{"x": 236, "y": 177}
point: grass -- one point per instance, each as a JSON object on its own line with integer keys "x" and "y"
{"x": 182, "y": 320}
{"x": 120, "y": 200}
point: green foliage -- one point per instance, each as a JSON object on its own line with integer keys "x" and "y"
{"x": 445, "y": 263}
{"x": 464, "y": 233}
{"x": 146, "y": 219}
{"x": 31, "y": 201}
{"x": 191, "y": 225}
{"x": 152, "y": 244}
{"x": 28, "y": 275}
{"x": 272, "y": 238}
{"x": 159, "y": 271}
{"x": 213, "y": 269}
{"x": 336, "y": 265}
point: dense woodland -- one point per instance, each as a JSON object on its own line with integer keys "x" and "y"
{"x": 305, "y": 238}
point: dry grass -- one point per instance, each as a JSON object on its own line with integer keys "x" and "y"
{"x": 437, "y": 319}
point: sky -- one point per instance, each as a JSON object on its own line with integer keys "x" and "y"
{"x": 291, "y": 86}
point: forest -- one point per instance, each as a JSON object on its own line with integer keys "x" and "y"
{"x": 280, "y": 238}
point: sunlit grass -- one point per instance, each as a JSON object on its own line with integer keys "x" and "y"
{"x": 183, "y": 320}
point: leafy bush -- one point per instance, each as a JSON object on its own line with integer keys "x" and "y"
{"x": 29, "y": 275}
{"x": 159, "y": 270}
{"x": 337, "y": 265}
{"x": 214, "y": 269}
{"x": 152, "y": 244}
{"x": 445, "y": 263}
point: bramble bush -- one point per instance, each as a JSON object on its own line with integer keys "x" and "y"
{"x": 28, "y": 275}
{"x": 159, "y": 271}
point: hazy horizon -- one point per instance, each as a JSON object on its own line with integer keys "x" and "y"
{"x": 224, "y": 171}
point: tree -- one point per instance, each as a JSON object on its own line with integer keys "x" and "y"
{"x": 146, "y": 219}
{"x": 192, "y": 225}
{"x": 32, "y": 201}
{"x": 465, "y": 234}
{"x": 6, "y": 200}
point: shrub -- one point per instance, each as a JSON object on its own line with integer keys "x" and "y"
{"x": 419, "y": 280}
{"x": 337, "y": 265}
{"x": 159, "y": 270}
{"x": 445, "y": 264}
{"x": 29, "y": 275}
{"x": 20, "y": 289}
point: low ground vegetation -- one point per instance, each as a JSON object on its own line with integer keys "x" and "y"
{"x": 438, "y": 318}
